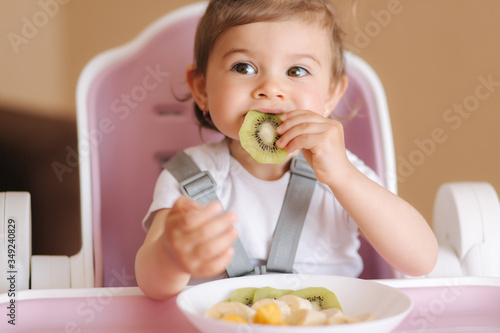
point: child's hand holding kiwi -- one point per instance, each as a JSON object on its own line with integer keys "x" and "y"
{"x": 321, "y": 140}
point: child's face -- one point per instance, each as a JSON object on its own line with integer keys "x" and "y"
{"x": 272, "y": 67}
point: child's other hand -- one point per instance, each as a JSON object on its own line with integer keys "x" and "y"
{"x": 321, "y": 140}
{"x": 200, "y": 238}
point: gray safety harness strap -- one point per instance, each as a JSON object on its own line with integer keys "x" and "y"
{"x": 200, "y": 186}
{"x": 292, "y": 216}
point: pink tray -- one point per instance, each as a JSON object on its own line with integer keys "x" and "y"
{"x": 473, "y": 309}
{"x": 456, "y": 305}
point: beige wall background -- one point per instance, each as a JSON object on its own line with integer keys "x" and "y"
{"x": 438, "y": 61}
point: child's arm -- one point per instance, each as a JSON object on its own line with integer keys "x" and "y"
{"x": 186, "y": 240}
{"x": 394, "y": 228}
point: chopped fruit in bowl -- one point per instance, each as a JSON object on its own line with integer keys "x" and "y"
{"x": 305, "y": 307}
{"x": 294, "y": 303}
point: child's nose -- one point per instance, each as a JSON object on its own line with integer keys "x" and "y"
{"x": 269, "y": 88}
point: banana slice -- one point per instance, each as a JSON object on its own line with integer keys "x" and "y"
{"x": 335, "y": 317}
{"x": 332, "y": 312}
{"x": 307, "y": 317}
{"x": 296, "y": 303}
{"x": 225, "y": 309}
{"x": 338, "y": 317}
{"x": 367, "y": 317}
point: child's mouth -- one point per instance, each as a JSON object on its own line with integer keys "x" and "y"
{"x": 270, "y": 111}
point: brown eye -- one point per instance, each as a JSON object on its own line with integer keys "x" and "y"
{"x": 244, "y": 68}
{"x": 297, "y": 71}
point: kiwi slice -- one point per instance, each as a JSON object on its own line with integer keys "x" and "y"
{"x": 270, "y": 292}
{"x": 258, "y": 137}
{"x": 321, "y": 298}
{"x": 243, "y": 295}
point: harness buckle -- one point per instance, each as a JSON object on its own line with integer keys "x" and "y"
{"x": 198, "y": 185}
{"x": 260, "y": 269}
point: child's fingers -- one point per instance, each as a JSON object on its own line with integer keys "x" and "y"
{"x": 296, "y": 113}
{"x": 300, "y": 122}
{"x": 300, "y": 130}
{"x": 190, "y": 219}
{"x": 307, "y": 130}
{"x": 184, "y": 204}
{"x": 214, "y": 266}
{"x": 294, "y": 118}
{"x": 177, "y": 214}
{"x": 211, "y": 257}
{"x": 215, "y": 246}
{"x": 211, "y": 228}
{"x": 304, "y": 142}
{"x": 197, "y": 217}
{"x": 184, "y": 218}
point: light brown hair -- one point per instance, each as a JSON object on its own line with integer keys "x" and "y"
{"x": 222, "y": 15}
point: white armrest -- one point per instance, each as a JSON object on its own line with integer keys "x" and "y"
{"x": 447, "y": 264}
{"x": 50, "y": 272}
{"x": 467, "y": 226}
{"x": 15, "y": 241}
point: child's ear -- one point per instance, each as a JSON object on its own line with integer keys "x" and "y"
{"x": 335, "y": 93}
{"x": 196, "y": 82}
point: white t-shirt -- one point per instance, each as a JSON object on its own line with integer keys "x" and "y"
{"x": 329, "y": 241}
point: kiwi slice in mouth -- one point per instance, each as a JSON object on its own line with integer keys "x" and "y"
{"x": 258, "y": 137}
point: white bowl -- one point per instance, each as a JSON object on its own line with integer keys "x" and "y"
{"x": 356, "y": 296}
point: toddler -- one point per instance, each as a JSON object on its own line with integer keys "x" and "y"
{"x": 276, "y": 57}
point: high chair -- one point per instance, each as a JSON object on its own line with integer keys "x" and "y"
{"x": 133, "y": 115}
{"x": 131, "y": 119}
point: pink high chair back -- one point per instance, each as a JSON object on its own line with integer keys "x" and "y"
{"x": 130, "y": 119}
